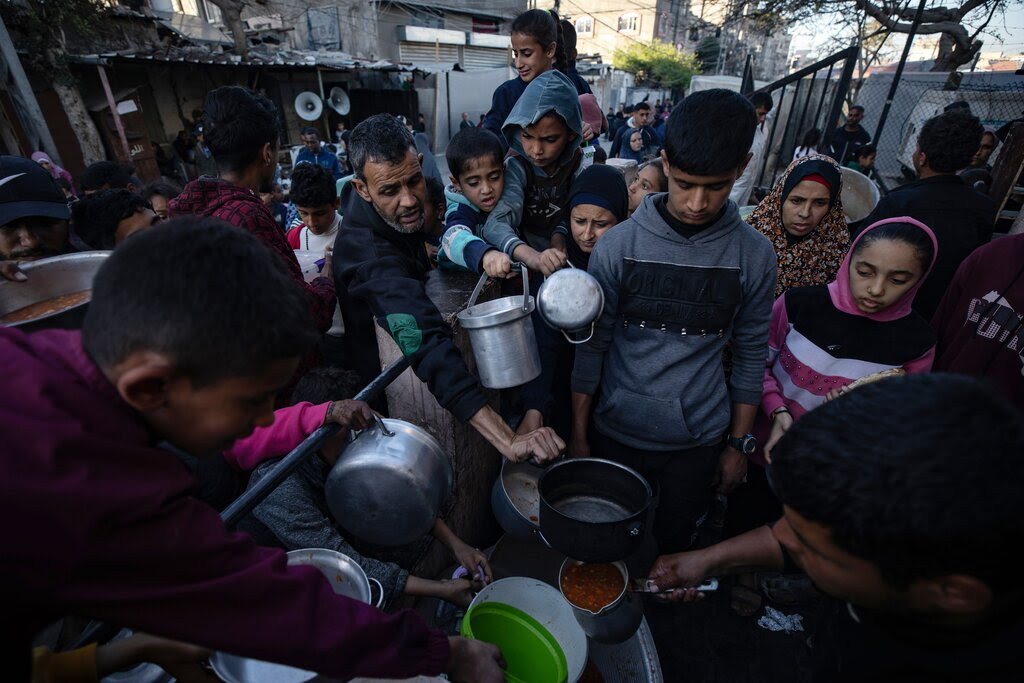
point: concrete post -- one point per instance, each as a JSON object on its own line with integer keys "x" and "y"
{"x": 27, "y": 96}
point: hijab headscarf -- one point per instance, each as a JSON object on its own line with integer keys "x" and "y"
{"x": 815, "y": 259}
{"x": 602, "y": 186}
{"x": 56, "y": 171}
{"x": 842, "y": 296}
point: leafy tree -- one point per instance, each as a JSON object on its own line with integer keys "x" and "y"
{"x": 45, "y": 29}
{"x": 658, "y": 64}
{"x": 957, "y": 22}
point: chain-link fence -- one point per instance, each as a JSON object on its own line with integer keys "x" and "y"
{"x": 994, "y": 97}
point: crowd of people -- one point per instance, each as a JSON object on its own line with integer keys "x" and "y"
{"x": 727, "y": 361}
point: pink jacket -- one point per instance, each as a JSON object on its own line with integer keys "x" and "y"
{"x": 291, "y": 425}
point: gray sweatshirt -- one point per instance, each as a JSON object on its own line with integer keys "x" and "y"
{"x": 296, "y": 513}
{"x": 671, "y": 304}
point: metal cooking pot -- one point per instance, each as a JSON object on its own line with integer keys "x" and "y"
{"x": 345, "y": 575}
{"x": 617, "y": 621}
{"x": 571, "y": 300}
{"x": 346, "y": 578}
{"x": 49, "y": 278}
{"x": 389, "y": 483}
{"x": 593, "y": 510}
{"x": 515, "y": 501}
{"x": 501, "y": 334}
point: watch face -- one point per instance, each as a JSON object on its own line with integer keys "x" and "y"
{"x": 749, "y": 445}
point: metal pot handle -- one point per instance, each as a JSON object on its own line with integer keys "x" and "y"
{"x": 380, "y": 598}
{"x": 590, "y": 336}
{"x": 383, "y": 427}
{"x": 484, "y": 277}
{"x": 542, "y": 539}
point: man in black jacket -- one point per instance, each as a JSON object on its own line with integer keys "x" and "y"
{"x": 961, "y": 218}
{"x": 380, "y": 267}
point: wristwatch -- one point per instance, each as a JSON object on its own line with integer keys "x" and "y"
{"x": 745, "y": 444}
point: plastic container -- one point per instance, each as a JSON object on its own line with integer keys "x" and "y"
{"x": 531, "y": 652}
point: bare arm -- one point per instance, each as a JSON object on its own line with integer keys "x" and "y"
{"x": 542, "y": 444}
{"x": 579, "y": 447}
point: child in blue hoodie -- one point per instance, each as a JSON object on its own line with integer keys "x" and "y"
{"x": 544, "y": 132}
{"x": 474, "y": 158}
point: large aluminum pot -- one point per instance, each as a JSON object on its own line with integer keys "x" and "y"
{"x": 617, "y": 621}
{"x": 515, "y": 501}
{"x": 545, "y": 604}
{"x": 594, "y": 510}
{"x": 49, "y": 278}
{"x": 501, "y": 334}
{"x": 346, "y": 578}
{"x": 571, "y": 300}
{"x": 388, "y": 485}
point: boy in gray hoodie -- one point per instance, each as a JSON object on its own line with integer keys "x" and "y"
{"x": 682, "y": 277}
{"x": 544, "y": 131}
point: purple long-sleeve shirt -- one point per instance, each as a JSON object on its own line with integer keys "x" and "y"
{"x": 99, "y": 522}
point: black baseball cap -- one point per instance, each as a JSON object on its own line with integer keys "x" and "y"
{"x": 28, "y": 189}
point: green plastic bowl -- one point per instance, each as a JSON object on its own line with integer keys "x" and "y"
{"x": 530, "y": 651}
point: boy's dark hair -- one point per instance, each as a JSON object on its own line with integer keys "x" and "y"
{"x": 237, "y": 122}
{"x": 600, "y": 156}
{"x": 866, "y": 151}
{"x": 470, "y": 144}
{"x": 435, "y": 195}
{"x": 858, "y": 107}
{"x": 312, "y": 186}
{"x": 710, "y": 132}
{"x": 950, "y": 140}
{"x": 309, "y": 130}
{"x": 901, "y": 232}
{"x": 628, "y": 109}
{"x": 543, "y": 26}
{"x": 762, "y": 99}
{"x": 114, "y": 175}
{"x": 642, "y": 105}
{"x": 96, "y": 216}
{"x": 919, "y": 475}
{"x": 165, "y": 290}
{"x": 326, "y": 383}
{"x": 380, "y": 138}
{"x": 161, "y": 188}
{"x": 811, "y": 138}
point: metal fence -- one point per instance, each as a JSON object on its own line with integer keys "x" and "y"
{"x": 995, "y": 98}
{"x": 811, "y": 98}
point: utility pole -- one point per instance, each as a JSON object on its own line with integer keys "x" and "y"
{"x": 899, "y": 73}
{"x": 24, "y": 91}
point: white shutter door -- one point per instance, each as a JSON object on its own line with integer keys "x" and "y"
{"x": 428, "y": 53}
{"x": 476, "y": 58}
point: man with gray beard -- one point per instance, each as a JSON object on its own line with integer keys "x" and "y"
{"x": 380, "y": 270}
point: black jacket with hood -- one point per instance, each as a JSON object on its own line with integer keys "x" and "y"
{"x": 380, "y": 275}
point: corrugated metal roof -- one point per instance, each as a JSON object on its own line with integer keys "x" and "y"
{"x": 324, "y": 59}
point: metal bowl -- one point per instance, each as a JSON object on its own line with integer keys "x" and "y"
{"x": 570, "y": 300}
{"x": 859, "y": 194}
{"x": 49, "y": 278}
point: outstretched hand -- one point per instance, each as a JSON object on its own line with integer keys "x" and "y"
{"x": 543, "y": 444}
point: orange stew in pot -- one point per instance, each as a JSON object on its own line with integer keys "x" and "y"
{"x": 592, "y": 586}
{"x": 37, "y": 310}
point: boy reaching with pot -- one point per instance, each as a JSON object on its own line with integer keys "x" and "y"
{"x": 297, "y": 516}
{"x": 107, "y": 523}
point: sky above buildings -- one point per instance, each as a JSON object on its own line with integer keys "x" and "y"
{"x": 1004, "y": 34}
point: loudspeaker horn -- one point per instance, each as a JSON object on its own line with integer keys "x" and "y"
{"x": 308, "y": 106}
{"x": 338, "y": 101}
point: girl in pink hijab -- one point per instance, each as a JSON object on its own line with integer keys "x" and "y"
{"x": 823, "y": 338}
{"x": 44, "y": 160}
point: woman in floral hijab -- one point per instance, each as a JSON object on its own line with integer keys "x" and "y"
{"x": 803, "y": 217}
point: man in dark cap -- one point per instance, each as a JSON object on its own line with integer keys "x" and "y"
{"x": 33, "y": 215}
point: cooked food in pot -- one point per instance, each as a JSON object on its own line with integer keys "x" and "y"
{"x": 46, "y": 307}
{"x": 592, "y": 586}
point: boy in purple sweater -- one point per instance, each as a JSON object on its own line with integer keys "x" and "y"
{"x": 193, "y": 328}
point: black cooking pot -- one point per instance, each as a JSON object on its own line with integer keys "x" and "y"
{"x": 593, "y": 510}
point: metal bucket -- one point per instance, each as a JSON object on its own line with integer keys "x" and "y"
{"x": 501, "y": 333}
